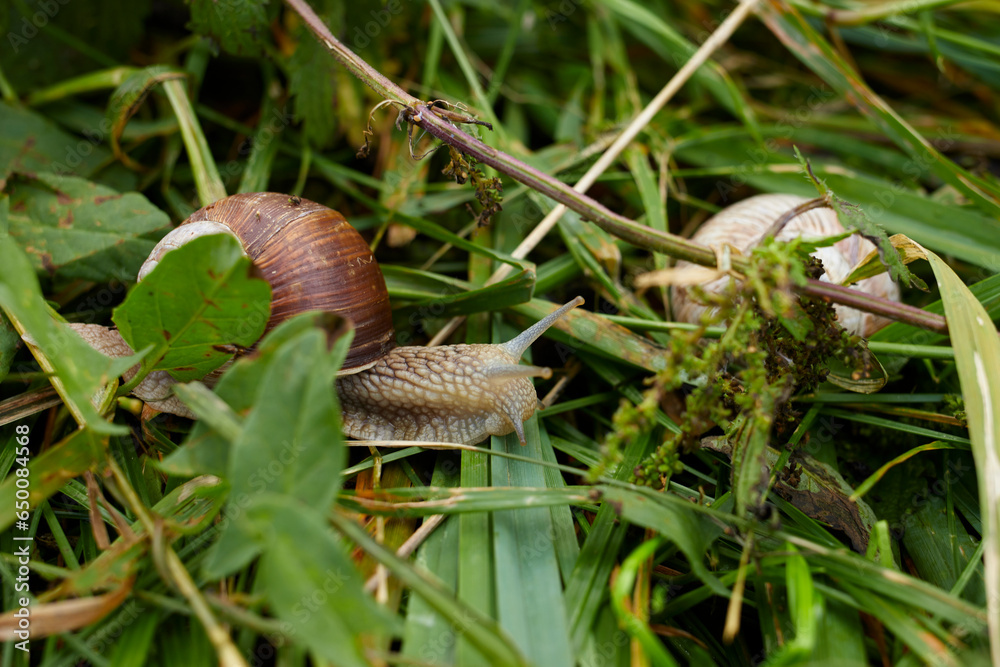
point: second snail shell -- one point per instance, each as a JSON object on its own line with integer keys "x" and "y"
{"x": 743, "y": 226}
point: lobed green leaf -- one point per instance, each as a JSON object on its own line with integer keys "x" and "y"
{"x": 200, "y": 298}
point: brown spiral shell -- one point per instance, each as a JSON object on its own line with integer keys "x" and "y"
{"x": 743, "y": 226}
{"x": 314, "y": 260}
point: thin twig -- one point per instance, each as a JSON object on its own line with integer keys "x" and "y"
{"x": 792, "y": 213}
{"x": 427, "y": 117}
{"x": 877, "y": 305}
{"x": 409, "y": 546}
{"x": 30, "y": 402}
{"x": 717, "y": 39}
{"x": 97, "y": 527}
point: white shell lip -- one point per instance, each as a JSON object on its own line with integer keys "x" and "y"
{"x": 178, "y": 237}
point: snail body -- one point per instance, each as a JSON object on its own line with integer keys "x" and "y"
{"x": 314, "y": 260}
{"x": 743, "y": 226}
{"x": 461, "y": 393}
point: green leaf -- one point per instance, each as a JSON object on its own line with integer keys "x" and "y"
{"x": 211, "y": 410}
{"x": 443, "y": 296}
{"x": 872, "y": 265}
{"x": 129, "y": 96}
{"x": 904, "y": 623}
{"x": 902, "y": 426}
{"x": 820, "y": 491}
{"x": 525, "y": 560}
{"x": 9, "y": 340}
{"x": 841, "y": 638}
{"x": 872, "y": 479}
{"x": 188, "y": 510}
{"x": 239, "y": 26}
{"x": 987, "y": 292}
{"x": 72, "y": 228}
{"x": 590, "y": 332}
{"x": 48, "y": 472}
{"x": 203, "y": 168}
{"x": 593, "y": 249}
{"x": 635, "y": 624}
{"x": 311, "y": 83}
{"x": 30, "y": 143}
{"x": 865, "y": 376}
{"x": 675, "y": 519}
{"x": 206, "y": 449}
{"x": 654, "y": 206}
{"x": 79, "y": 370}
{"x": 199, "y": 298}
{"x": 310, "y": 582}
{"x": 940, "y": 548}
{"x": 267, "y": 138}
{"x": 426, "y": 633}
{"x": 181, "y": 642}
{"x": 674, "y": 48}
{"x": 479, "y": 629}
{"x": 805, "y": 603}
{"x": 894, "y": 203}
{"x": 290, "y": 442}
{"x": 475, "y": 555}
{"x": 747, "y": 436}
{"x": 586, "y": 584}
{"x": 132, "y": 648}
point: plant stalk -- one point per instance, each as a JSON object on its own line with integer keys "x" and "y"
{"x": 440, "y": 124}
{"x": 877, "y": 305}
{"x": 228, "y": 654}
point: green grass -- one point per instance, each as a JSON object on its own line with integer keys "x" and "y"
{"x": 862, "y": 531}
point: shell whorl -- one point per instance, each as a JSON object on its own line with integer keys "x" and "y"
{"x": 743, "y": 226}
{"x": 312, "y": 258}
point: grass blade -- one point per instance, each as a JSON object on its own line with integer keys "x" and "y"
{"x": 525, "y": 560}
{"x": 977, "y": 357}
{"x": 815, "y": 52}
{"x": 488, "y": 638}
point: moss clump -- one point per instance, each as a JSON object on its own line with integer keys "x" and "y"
{"x": 775, "y": 344}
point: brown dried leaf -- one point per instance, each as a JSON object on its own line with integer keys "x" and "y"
{"x": 64, "y": 616}
{"x": 818, "y": 491}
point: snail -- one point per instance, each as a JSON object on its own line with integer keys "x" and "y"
{"x": 744, "y": 224}
{"x": 314, "y": 260}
